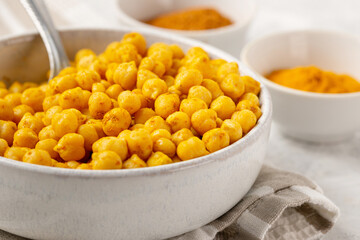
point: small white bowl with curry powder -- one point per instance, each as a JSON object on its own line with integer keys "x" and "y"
{"x": 314, "y": 80}
{"x": 220, "y": 23}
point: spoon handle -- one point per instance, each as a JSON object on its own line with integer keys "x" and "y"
{"x": 42, "y": 20}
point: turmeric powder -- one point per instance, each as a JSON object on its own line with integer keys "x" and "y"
{"x": 191, "y": 19}
{"x": 313, "y": 79}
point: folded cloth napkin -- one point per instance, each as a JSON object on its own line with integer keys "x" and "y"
{"x": 280, "y": 205}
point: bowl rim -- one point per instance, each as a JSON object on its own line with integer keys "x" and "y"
{"x": 192, "y": 33}
{"x": 266, "y": 108}
{"x": 287, "y": 90}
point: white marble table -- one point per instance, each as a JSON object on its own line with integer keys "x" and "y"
{"x": 335, "y": 167}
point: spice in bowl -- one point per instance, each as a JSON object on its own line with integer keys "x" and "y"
{"x": 191, "y": 19}
{"x": 313, "y": 79}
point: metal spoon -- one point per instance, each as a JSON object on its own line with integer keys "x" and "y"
{"x": 42, "y": 20}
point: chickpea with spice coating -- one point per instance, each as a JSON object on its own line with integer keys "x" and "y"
{"x": 106, "y": 160}
{"x": 73, "y": 98}
{"x": 188, "y": 78}
{"x": 48, "y": 145}
{"x": 233, "y": 86}
{"x": 181, "y": 135}
{"x": 178, "y": 120}
{"x": 153, "y": 88}
{"x": 160, "y": 133}
{"x": 50, "y": 101}
{"x": 86, "y": 78}
{"x": 233, "y": 129}
{"x": 6, "y": 111}
{"x": 7, "y": 131}
{"x": 137, "y": 40}
{"x": 16, "y": 153}
{"x": 191, "y": 148}
{"x": 99, "y": 104}
{"x": 3, "y": 146}
{"x": 204, "y": 120}
{"x": 114, "y": 90}
{"x": 223, "y": 106}
{"x": 216, "y": 139}
{"x": 155, "y": 123}
{"x": 201, "y": 93}
{"x": 125, "y": 75}
{"x": 30, "y": 121}
{"x": 19, "y": 112}
{"x": 33, "y": 97}
{"x": 189, "y": 106}
{"x": 64, "y": 123}
{"x": 143, "y": 75}
{"x": 129, "y": 101}
{"x": 37, "y": 156}
{"x": 165, "y": 146}
{"x": 134, "y": 162}
{"x": 90, "y": 135}
{"x": 246, "y": 118}
{"x": 49, "y": 114}
{"x": 157, "y": 159}
{"x": 98, "y": 87}
{"x": 166, "y": 104}
{"x": 47, "y": 132}
{"x": 251, "y": 85}
{"x": 143, "y": 115}
{"x": 115, "y": 121}
{"x": 25, "y": 137}
{"x": 225, "y": 69}
{"x": 115, "y": 144}
{"x": 139, "y": 142}
{"x": 13, "y": 99}
{"x": 252, "y": 98}
{"x": 71, "y": 147}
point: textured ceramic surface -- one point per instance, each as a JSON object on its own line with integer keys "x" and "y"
{"x": 304, "y": 115}
{"x": 229, "y": 38}
{"x": 154, "y": 203}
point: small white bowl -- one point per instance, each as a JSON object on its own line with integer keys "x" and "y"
{"x": 310, "y": 116}
{"x": 228, "y": 38}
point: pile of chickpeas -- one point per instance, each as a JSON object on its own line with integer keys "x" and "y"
{"x": 129, "y": 107}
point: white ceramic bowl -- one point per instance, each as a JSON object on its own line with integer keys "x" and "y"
{"x": 41, "y": 202}
{"x": 229, "y": 38}
{"x": 305, "y": 115}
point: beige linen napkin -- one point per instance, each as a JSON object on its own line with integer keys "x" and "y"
{"x": 280, "y": 205}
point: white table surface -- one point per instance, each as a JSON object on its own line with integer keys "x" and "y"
{"x": 334, "y": 167}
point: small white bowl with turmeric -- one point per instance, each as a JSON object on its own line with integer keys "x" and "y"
{"x": 314, "y": 80}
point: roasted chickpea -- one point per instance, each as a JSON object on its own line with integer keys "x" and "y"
{"x": 16, "y": 87}
{"x": 201, "y": 93}
{"x": 156, "y": 122}
{"x": 233, "y": 129}
{"x": 233, "y": 86}
{"x": 86, "y": 78}
{"x": 181, "y": 135}
{"x": 145, "y": 102}
{"x": 160, "y": 133}
{"x": 137, "y": 40}
{"x": 16, "y": 153}
{"x": 153, "y": 88}
{"x": 6, "y": 111}
{"x": 71, "y": 147}
{"x": 69, "y": 70}
{"x": 30, "y": 121}
{"x": 13, "y": 99}
{"x": 191, "y": 148}
{"x": 98, "y": 87}
{"x": 188, "y": 78}
{"x": 81, "y": 119}
{"x": 134, "y": 162}
{"x": 47, "y": 133}
{"x": 204, "y": 120}
{"x": 161, "y": 52}
{"x": 48, "y": 145}
{"x": 251, "y": 85}
{"x": 177, "y": 51}
{"x": 226, "y": 69}
{"x": 49, "y": 114}
{"x": 50, "y": 101}
{"x": 252, "y": 98}
{"x": 246, "y": 118}
{"x": 169, "y": 80}
{"x": 216, "y": 139}
{"x": 98, "y": 126}
{"x": 246, "y": 104}
{"x": 114, "y": 90}
{"x": 178, "y": 121}
{"x": 3, "y": 146}
{"x": 34, "y": 98}
{"x": 143, "y": 115}
{"x": 37, "y": 156}
{"x": 99, "y": 104}
{"x": 73, "y": 98}
{"x": 7, "y": 130}
{"x": 125, "y": 75}
{"x": 83, "y": 53}
{"x": 223, "y": 106}
{"x": 118, "y": 145}
{"x": 157, "y": 159}
{"x": 115, "y": 121}
{"x": 129, "y": 101}
{"x": 165, "y": 146}
{"x": 90, "y": 135}
{"x": 189, "y": 106}
{"x": 167, "y": 104}
{"x": 64, "y": 122}
{"x": 106, "y": 160}
{"x": 61, "y": 83}
{"x": 25, "y": 137}
{"x": 139, "y": 142}
{"x": 20, "y": 110}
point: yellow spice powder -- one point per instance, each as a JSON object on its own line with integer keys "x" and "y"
{"x": 191, "y": 19}
{"x": 313, "y": 79}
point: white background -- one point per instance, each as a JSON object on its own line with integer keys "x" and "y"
{"x": 335, "y": 167}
